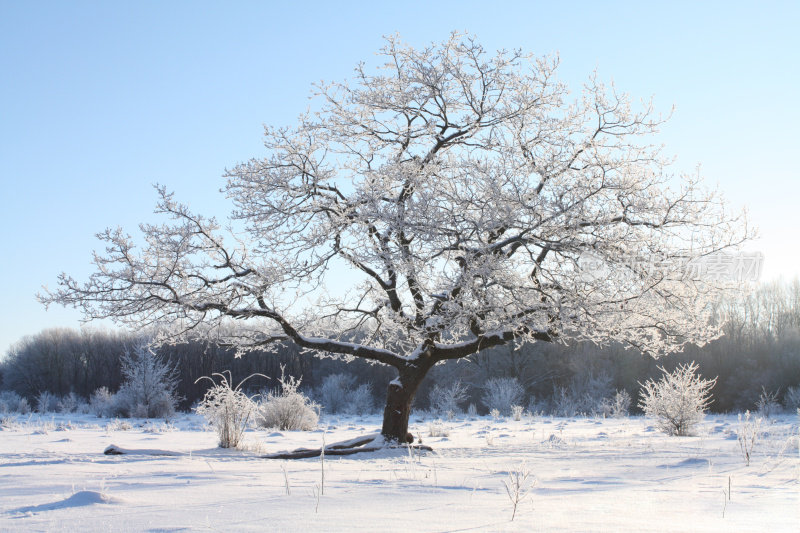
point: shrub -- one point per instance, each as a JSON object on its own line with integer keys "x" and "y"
{"x": 103, "y": 404}
{"x": 335, "y": 392}
{"x": 24, "y": 407}
{"x": 678, "y": 400}
{"x": 46, "y": 402}
{"x": 791, "y": 400}
{"x": 338, "y": 394}
{"x": 437, "y": 429}
{"x": 149, "y": 390}
{"x": 445, "y": 399}
{"x": 747, "y": 434}
{"x": 361, "y": 400}
{"x": 616, "y": 406}
{"x": 767, "y": 403}
{"x": 11, "y": 402}
{"x": 501, "y": 393}
{"x": 69, "y": 403}
{"x": 564, "y": 403}
{"x": 288, "y": 408}
{"x": 229, "y": 410}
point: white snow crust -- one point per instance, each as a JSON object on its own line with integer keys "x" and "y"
{"x": 591, "y": 475}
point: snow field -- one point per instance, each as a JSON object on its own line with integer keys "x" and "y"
{"x": 590, "y": 475}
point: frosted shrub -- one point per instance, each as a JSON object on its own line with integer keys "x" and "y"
{"x": 445, "y": 399}
{"x": 338, "y": 394}
{"x": 516, "y": 412}
{"x": 616, "y": 406}
{"x": 11, "y": 402}
{"x": 791, "y": 400}
{"x": 767, "y": 403}
{"x": 678, "y": 400}
{"x": 150, "y": 385}
{"x": 288, "y": 408}
{"x": 46, "y": 402}
{"x": 501, "y": 394}
{"x": 69, "y": 403}
{"x": 24, "y": 407}
{"x": 563, "y": 403}
{"x": 335, "y": 391}
{"x": 587, "y": 394}
{"x": 102, "y": 403}
{"x": 518, "y": 484}
{"x": 437, "y": 429}
{"x": 361, "y": 400}
{"x": 747, "y": 435}
{"x": 229, "y": 410}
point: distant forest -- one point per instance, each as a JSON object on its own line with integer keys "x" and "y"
{"x": 757, "y": 355}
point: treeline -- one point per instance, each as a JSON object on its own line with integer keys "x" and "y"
{"x": 758, "y": 354}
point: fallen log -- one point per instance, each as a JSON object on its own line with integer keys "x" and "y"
{"x": 367, "y": 443}
{"x": 116, "y": 450}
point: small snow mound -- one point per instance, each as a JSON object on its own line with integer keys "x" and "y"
{"x": 275, "y": 434}
{"x": 88, "y": 497}
{"x": 691, "y": 461}
{"x": 554, "y": 441}
{"x": 79, "y": 499}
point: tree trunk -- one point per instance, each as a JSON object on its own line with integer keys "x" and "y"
{"x": 399, "y": 396}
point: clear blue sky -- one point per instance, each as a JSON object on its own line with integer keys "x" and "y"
{"x": 98, "y": 100}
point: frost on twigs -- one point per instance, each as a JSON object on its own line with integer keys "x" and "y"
{"x": 288, "y": 408}
{"x": 518, "y": 484}
{"x": 150, "y": 387}
{"x": 227, "y": 408}
{"x": 460, "y": 189}
{"x": 502, "y": 394}
{"x": 446, "y": 400}
{"x": 678, "y": 400}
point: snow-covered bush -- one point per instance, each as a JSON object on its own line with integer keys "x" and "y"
{"x": 339, "y": 394}
{"x": 678, "y": 400}
{"x": 288, "y": 408}
{"x": 587, "y": 394}
{"x": 747, "y": 434}
{"x": 563, "y": 403}
{"x": 227, "y": 408}
{"x": 150, "y": 386}
{"x": 69, "y": 403}
{"x": 767, "y": 403}
{"x": 334, "y": 393}
{"x": 516, "y": 412}
{"x": 437, "y": 429}
{"x": 103, "y": 404}
{"x": 361, "y": 400}
{"x": 501, "y": 394}
{"x": 616, "y": 406}
{"x": 24, "y": 407}
{"x": 447, "y": 398}
{"x": 791, "y": 400}
{"x": 11, "y": 402}
{"x": 46, "y": 402}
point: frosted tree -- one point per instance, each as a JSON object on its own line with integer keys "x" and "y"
{"x": 150, "y": 383}
{"x": 454, "y": 192}
{"x": 678, "y": 400}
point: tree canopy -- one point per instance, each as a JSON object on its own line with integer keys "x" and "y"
{"x": 463, "y": 190}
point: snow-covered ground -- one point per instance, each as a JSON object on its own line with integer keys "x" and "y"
{"x": 590, "y": 475}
